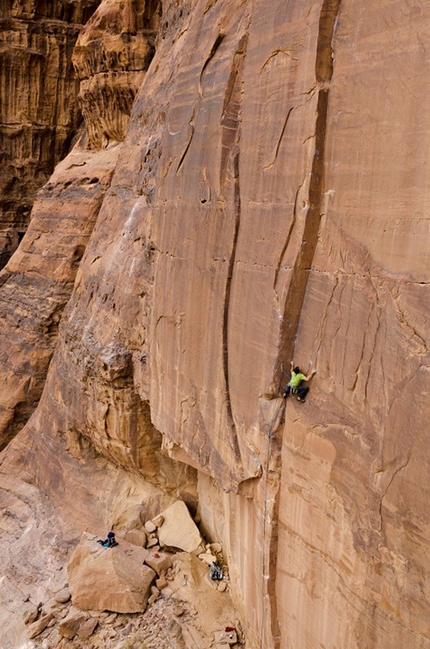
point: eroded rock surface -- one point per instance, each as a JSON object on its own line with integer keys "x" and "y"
{"x": 268, "y": 205}
{"x": 109, "y": 579}
{"x": 39, "y": 114}
{"x": 111, "y": 57}
{"x": 38, "y": 281}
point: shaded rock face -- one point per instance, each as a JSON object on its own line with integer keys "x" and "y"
{"x": 39, "y": 114}
{"x": 111, "y": 56}
{"x": 38, "y": 281}
{"x": 267, "y": 205}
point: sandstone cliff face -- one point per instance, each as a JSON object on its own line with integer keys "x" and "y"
{"x": 268, "y": 204}
{"x": 67, "y": 207}
{"x": 112, "y": 51}
{"x": 38, "y": 110}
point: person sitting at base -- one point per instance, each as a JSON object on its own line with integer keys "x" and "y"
{"x": 294, "y": 385}
{"x": 110, "y": 542}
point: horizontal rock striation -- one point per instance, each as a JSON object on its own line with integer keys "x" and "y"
{"x": 268, "y": 205}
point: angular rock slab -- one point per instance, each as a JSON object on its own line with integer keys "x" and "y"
{"x": 179, "y": 530}
{"x": 109, "y": 579}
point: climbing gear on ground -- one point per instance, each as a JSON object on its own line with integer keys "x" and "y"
{"x": 215, "y": 572}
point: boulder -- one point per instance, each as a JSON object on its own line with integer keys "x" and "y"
{"x": 215, "y": 547}
{"x": 161, "y": 582}
{"x": 150, "y": 527}
{"x": 69, "y": 627}
{"x": 179, "y": 530}
{"x": 36, "y": 628}
{"x": 158, "y": 561}
{"x": 87, "y": 628}
{"x": 112, "y": 579}
{"x": 62, "y": 596}
{"x": 136, "y": 537}
{"x": 31, "y": 615}
{"x": 158, "y": 520}
{"x": 152, "y": 542}
{"x": 208, "y": 558}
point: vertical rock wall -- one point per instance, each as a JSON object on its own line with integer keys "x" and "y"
{"x": 353, "y": 532}
{"x": 38, "y": 112}
{"x": 268, "y": 204}
{"x": 116, "y": 46}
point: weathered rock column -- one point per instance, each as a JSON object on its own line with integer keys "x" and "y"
{"x": 39, "y": 114}
{"x": 112, "y": 56}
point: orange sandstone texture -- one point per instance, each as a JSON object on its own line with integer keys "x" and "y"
{"x": 113, "y": 51}
{"x": 268, "y": 204}
{"x": 37, "y": 283}
{"x": 39, "y": 115}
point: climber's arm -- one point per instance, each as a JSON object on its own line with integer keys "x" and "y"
{"x": 309, "y": 376}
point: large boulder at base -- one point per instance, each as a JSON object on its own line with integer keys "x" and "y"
{"x": 109, "y": 579}
{"x": 179, "y": 530}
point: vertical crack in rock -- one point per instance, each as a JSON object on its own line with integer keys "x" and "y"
{"x": 231, "y": 108}
{"x": 302, "y": 266}
{"x": 219, "y": 39}
{"x": 270, "y": 635}
{"x": 187, "y": 146}
{"x": 227, "y": 302}
{"x": 280, "y": 138}
{"x": 270, "y": 629}
{"x": 303, "y": 263}
{"x": 287, "y": 241}
{"x": 230, "y": 125}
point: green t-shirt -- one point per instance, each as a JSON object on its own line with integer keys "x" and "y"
{"x": 296, "y": 379}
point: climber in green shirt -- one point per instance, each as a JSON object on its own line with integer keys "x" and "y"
{"x": 294, "y": 385}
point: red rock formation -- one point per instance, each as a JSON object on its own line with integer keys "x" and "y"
{"x": 38, "y": 110}
{"x": 38, "y": 281}
{"x": 112, "y": 51}
{"x": 268, "y": 204}
{"x": 115, "y": 62}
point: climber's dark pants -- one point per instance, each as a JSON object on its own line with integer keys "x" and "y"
{"x": 301, "y": 391}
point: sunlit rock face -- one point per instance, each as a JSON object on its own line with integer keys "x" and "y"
{"x": 39, "y": 114}
{"x": 268, "y": 204}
